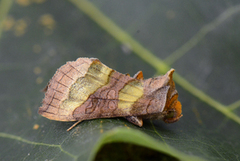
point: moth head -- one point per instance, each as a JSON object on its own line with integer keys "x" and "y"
{"x": 173, "y": 108}
{"x": 170, "y": 109}
{"x": 173, "y": 111}
{"x": 164, "y": 98}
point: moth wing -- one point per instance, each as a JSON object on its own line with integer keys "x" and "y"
{"x": 114, "y": 99}
{"x": 129, "y": 94}
{"x": 59, "y": 88}
{"x": 69, "y": 97}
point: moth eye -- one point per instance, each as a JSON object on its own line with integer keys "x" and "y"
{"x": 170, "y": 114}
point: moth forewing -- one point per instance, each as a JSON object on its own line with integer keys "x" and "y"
{"x": 86, "y": 89}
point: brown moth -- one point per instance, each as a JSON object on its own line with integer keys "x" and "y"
{"x": 86, "y": 89}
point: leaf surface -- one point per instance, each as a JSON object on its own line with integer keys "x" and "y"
{"x": 199, "y": 39}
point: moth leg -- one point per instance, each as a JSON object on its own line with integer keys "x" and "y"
{"x": 135, "y": 120}
{"x": 74, "y": 125}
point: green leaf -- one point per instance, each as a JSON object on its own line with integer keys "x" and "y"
{"x": 197, "y": 38}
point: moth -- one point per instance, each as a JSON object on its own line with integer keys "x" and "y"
{"x": 87, "y": 89}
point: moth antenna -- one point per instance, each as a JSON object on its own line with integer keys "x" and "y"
{"x": 45, "y": 88}
{"x": 70, "y": 128}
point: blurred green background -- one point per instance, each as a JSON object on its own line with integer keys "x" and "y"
{"x": 199, "y": 39}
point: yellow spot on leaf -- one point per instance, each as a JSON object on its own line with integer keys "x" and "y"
{"x": 101, "y": 131}
{"x": 35, "y": 126}
{"x": 126, "y": 126}
{"x": 20, "y": 27}
{"x": 48, "y": 22}
{"x": 38, "y": 1}
{"x": 39, "y": 80}
{"x": 23, "y": 2}
{"x": 8, "y": 23}
{"x": 37, "y": 70}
